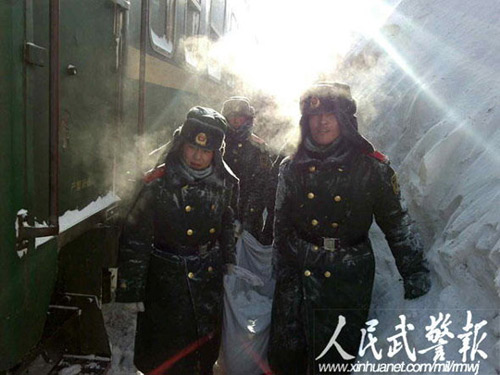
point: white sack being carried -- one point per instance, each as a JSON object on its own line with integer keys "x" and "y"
{"x": 248, "y": 293}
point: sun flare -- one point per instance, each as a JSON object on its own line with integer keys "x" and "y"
{"x": 282, "y": 46}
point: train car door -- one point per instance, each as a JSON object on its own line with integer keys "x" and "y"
{"x": 60, "y": 109}
{"x": 89, "y": 92}
{"x": 28, "y": 262}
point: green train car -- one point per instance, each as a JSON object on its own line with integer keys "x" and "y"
{"x": 87, "y": 89}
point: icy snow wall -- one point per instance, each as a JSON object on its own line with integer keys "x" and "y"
{"x": 428, "y": 94}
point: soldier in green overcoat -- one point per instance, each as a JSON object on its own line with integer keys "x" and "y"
{"x": 248, "y": 157}
{"x": 176, "y": 245}
{"x": 328, "y": 194}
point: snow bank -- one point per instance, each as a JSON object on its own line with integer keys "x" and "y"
{"x": 432, "y": 98}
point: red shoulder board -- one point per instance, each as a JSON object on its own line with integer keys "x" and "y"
{"x": 379, "y": 156}
{"x": 154, "y": 174}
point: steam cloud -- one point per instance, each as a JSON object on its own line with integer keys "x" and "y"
{"x": 272, "y": 70}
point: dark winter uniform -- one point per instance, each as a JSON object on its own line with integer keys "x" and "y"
{"x": 176, "y": 242}
{"x": 248, "y": 157}
{"x": 324, "y": 261}
{"x": 249, "y": 160}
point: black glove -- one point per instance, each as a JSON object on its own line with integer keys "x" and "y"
{"x": 417, "y": 285}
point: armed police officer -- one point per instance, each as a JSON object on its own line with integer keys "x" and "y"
{"x": 176, "y": 244}
{"x": 329, "y": 191}
{"x": 247, "y": 156}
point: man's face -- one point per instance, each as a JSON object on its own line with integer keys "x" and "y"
{"x": 324, "y": 128}
{"x": 195, "y": 157}
{"x": 236, "y": 120}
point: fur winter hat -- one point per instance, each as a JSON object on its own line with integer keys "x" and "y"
{"x": 237, "y": 105}
{"x": 204, "y": 128}
{"x": 336, "y": 98}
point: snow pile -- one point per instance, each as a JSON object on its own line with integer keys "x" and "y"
{"x": 121, "y": 321}
{"x": 431, "y": 90}
{"x": 73, "y": 217}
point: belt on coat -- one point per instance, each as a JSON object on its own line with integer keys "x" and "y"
{"x": 330, "y": 243}
{"x": 186, "y": 250}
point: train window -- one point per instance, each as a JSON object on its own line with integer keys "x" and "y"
{"x": 162, "y": 24}
{"x": 192, "y": 48}
{"x": 232, "y": 27}
{"x": 193, "y": 16}
{"x": 217, "y": 15}
{"x": 217, "y": 12}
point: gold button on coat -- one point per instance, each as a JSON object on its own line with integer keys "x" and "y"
{"x": 312, "y": 168}
{"x": 337, "y": 198}
{"x": 188, "y": 208}
{"x": 212, "y": 230}
{"x": 335, "y": 225}
{"x": 310, "y": 195}
{"x": 307, "y": 273}
{"x": 191, "y": 275}
{"x": 314, "y": 222}
{"x": 189, "y": 232}
{"x": 328, "y": 274}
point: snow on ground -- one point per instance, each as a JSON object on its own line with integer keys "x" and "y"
{"x": 120, "y": 320}
{"x": 433, "y": 95}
